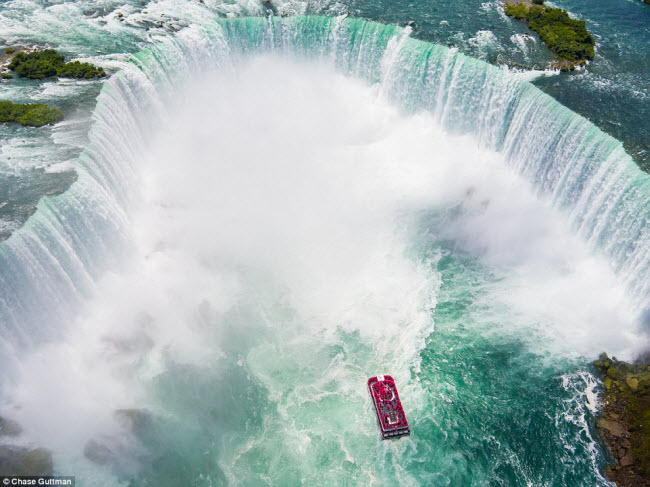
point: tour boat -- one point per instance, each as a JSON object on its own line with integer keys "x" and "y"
{"x": 390, "y": 414}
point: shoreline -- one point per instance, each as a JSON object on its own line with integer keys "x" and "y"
{"x": 624, "y": 419}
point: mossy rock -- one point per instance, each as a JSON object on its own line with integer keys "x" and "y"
{"x": 628, "y": 393}
{"x": 603, "y": 362}
{"x": 617, "y": 373}
{"x": 632, "y": 382}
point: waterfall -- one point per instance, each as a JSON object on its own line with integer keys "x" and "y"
{"x": 49, "y": 265}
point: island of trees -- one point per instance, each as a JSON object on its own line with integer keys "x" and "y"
{"x": 32, "y": 114}
{"x": 566, "y": 37}
{"x": 48, "y": 63}
{"x": 41, "y": 65}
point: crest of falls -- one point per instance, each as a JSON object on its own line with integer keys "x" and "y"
{"x": 50, "y": 265}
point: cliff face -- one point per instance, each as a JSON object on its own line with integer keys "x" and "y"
{"x": 624, "y": 422}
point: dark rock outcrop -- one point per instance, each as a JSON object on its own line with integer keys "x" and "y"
{"x": 98, "y": 451}
{"x": 24, "y": 461}
{"x": 136, "y": 421}
{"x": 122, "y": 452}
{"x": 624, "y": 422}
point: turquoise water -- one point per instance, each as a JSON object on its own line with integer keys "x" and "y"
{"x": 237, "y": 257}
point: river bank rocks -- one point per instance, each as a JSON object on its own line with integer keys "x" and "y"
{"x": 25, "y": 461}
{"x": 17, "y": 460}
{"x": 624, "y": 421}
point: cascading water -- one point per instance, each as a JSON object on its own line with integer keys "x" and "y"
{"x": 288, "y": 231}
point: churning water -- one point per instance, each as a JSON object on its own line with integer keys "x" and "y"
{"x": 267, "y": 211}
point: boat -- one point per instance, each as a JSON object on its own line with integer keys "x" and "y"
{"x": 390, "y": 414}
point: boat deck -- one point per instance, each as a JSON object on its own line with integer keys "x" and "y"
{"x": 388, "y": 407}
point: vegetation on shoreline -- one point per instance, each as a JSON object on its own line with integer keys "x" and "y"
{"x": 48, "y": 63}
{"x": 32, "y": 114}
{"x": 566, "y": 37}
{"x": 624, "y": 422}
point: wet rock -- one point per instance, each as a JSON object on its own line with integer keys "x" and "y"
{"x": 632, "y": 382}
{"x": 123, "y": 452}
{"x": 23, "y": 461}
{"x": 624, "y": 423}
{"x": 626, "y": 461}
{"x": 136, "y": 421}
{"x": 614, "y": 428}
{"x": 122, "y": 455}
{"x": 99, "y": 452}
{"x": 9, "y": 427}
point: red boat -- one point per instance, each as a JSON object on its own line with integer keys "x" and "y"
{"x": 390, "y": 414}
